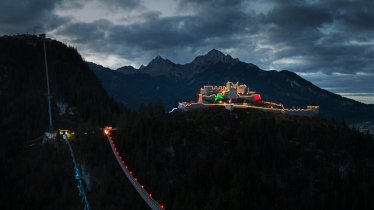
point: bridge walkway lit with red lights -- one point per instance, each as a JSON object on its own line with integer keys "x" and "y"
{"x": 147, "y": 197}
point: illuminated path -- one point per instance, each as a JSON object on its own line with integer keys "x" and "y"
{"x": 78, "y": 176}
{"x": 147, "y": 197}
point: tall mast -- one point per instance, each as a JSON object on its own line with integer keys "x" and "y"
{"x": 48, "y": 91}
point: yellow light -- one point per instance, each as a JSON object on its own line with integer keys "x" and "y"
{"x": 67, "y": 133}
{"x": 107, "y": 130}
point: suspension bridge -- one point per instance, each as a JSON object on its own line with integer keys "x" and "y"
{"x": 147, "y": 197}
{"x": 51, "y": 135}
{"x": 78, "y": 176}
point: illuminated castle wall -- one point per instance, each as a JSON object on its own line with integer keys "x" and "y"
{"x": 235, "y": 96}
{"x": 232, "y": 91}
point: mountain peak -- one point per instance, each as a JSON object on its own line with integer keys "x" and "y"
{"x": 215, "y": 52}
{"x": 159, "y": 66}
{"x": 158, "y": 60}
{"x": 127, "y": 70}
{"x": 214, "y": 56}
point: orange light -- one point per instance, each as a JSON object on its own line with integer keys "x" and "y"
{"x": 107, "y": 130}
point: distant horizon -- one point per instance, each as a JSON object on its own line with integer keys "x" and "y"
{"x": 366, "y": 99}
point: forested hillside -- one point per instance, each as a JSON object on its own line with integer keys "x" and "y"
{"x": 216, "y": 159}
{"x": 40, "y": 176}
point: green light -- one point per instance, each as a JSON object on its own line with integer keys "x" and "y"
{"x": 218, "y": 97}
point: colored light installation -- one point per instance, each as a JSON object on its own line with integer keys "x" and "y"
{"x": 257, "y": 97}
{"x": 219, "y": 96}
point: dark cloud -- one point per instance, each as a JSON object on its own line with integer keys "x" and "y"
{"x": 157, "y": 34}
{"x": 331, "y": 36}
{"x": 298, "y": 17}
{"x": 28, "y": 16}
{"x": 121, "y": 3}
{"x": 25, "y": 16}
{"x": 354, "y": 15}
{"x": 209, "y": 4}
{"x": 113, "y": 4}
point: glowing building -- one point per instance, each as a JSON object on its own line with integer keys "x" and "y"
{"x": 234, "y": 95}
{"x": 231, "y": 93}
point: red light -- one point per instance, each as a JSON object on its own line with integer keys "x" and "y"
{"x": 126, "y": 167}
{"x": 257, "y": 97}
{"x": 131, "y": 172}
{"x": 136, "y": 179}
{"x": 162, "y": 206}
{"x": 150, "y": 194}
{"x": 142, "y": 186}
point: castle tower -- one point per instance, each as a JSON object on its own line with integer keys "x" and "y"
{"x": 200, "y": 98}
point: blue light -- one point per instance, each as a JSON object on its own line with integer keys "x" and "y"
{"x": 78, "y": 176}
{"x": 173, "y": 110}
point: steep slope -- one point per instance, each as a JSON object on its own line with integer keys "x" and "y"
{"x": 175, "y": 82}
{"x": 136, "y": 89}
{"x": 23, "y": 84}
{"x": 41, "y": 176}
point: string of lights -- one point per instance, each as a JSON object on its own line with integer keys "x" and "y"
{"x": 146, "y": 196}
{"x": 78, "y": 177}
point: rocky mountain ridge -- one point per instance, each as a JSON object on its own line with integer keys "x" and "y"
{"x": 170, "y": 83}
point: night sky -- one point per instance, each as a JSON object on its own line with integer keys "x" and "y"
{"x": 329, "y": 42}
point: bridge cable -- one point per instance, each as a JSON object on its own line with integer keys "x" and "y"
{"x": 78, "y": 177}
{"x": 147, "y": 197}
